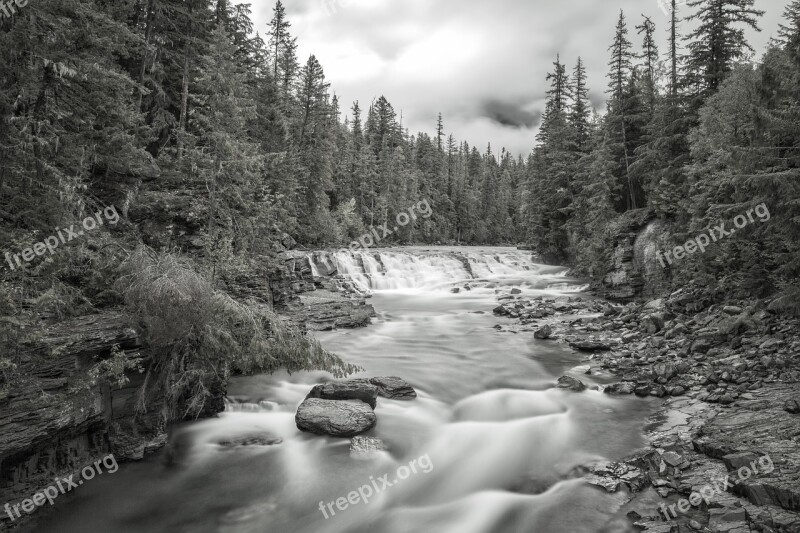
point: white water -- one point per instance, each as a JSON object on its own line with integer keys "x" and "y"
{"x": 499, "y": 437}
{"x": 420, "y": 268}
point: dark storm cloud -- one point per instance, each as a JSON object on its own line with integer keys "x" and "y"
{"x": 481, "y": 64}
{"x": 510, "y": 114}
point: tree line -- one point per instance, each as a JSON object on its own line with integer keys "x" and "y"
{"x": 182, "y": 103}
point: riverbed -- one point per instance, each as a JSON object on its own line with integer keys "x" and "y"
{"x": 496, "y": 447}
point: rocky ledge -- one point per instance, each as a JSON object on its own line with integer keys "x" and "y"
{"x": 729, "y": 375}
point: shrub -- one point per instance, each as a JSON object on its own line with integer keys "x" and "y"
{"x": 200, "y": 336}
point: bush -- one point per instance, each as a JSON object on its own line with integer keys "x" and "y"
{"x": 201, "y": 336}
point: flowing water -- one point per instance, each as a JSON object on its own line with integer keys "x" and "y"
{"x": 485, "y": 448}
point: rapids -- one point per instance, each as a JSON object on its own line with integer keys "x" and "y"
{"x": 500, "y": 439}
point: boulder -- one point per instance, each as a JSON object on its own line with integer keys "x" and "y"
{"x": 337, "y": 418}
{"x": 567, "y": 382}
{"x": 394, "y": 388}
{"x": 543, "y": 333}
{"x": 352, "y": 389}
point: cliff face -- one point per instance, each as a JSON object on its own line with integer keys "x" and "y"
{"x": 635, "y": 270}
{"x": 54, "y": 425}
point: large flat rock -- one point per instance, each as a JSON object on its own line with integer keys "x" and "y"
{"x": 337, "y": 418}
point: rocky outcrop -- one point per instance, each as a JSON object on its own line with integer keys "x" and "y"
{"x": 57, "y": 419}
{"x": 635, "y": 270}
{"x": 336, "y": 418}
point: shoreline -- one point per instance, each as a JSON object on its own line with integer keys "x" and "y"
{"x": 730, "y": 379}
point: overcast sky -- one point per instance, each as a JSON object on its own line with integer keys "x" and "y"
{"x": 481, "y": 63}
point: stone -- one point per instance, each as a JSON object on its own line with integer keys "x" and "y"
{"x": 336, "y": 418}
{"x": 652, "y": 323}
{"x": 568, "y": 382}
{"x": 665, "y": 370}
{"x": 543, "y": 333}
{"x": 792, "y": 406}
{"x": 625, "y": 387}
{"x": 366, "y": 447}
{"x": 250, "y": 440}
{"x": 394, "y": 388}
{"x": 353, "y": 389}
{"x": 591, "y": 346}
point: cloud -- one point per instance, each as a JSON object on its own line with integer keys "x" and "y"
{"x": 481, "y": 64}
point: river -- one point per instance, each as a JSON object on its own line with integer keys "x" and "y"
{"x": 493, "y": 441}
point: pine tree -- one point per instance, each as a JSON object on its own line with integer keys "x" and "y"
{"x": 580, "y": 111}
{"x": 650, "y": 57}
{"x": 718, "y": 41}
{"x": 617, "y": 121}
{"x": 283, "y": 49}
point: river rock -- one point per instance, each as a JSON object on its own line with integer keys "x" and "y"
{"x": 568, "y": 382}
{"x": 625, "y": 387}
{"x": 545, "y": 332}
{"x": 394, "y": 388}
{"x": 366, "y": 447}
{"x": 792, "y": 406}
{"x": 590, "y": 345}
{"x": 351, "y": 389}
{"x": 250, "y": 440}
{"x": 337, "y": 418}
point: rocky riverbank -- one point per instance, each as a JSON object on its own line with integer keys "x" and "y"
{"x": 729, "y": 375}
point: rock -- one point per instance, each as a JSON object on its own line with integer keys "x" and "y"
{"x": 337, "y": 418}
{"x": 673, "y": 459}
{"x": 500, "y": 310}
{"x": 394, "y": 388}
{"x": 455, "y": 290}
{"x": 732, "y": 310}
{"x": 625, "y": 387}
{"x": 727, "y": 519}
{"x": 701, "y": 346}
{"x": 653, "y": 323}
{"x": 366, "y": 447}
{"x": 734, "y": 461}
{"x": 642, "y": 390}
{"x": 590, "y": 345}
{"x": 516, "y": 291}
{"x": 353, "y": 389}
{"x": 251, "y": 440}
{"x": 792, "y": 406}
{"x": 726, "y": 399}
{"x": 543, "y": 333}
{"x": 567, "y": 382}
{"x": 665, "y": 370}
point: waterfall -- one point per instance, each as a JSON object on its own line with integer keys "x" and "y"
{"x": 377, "y": 270}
